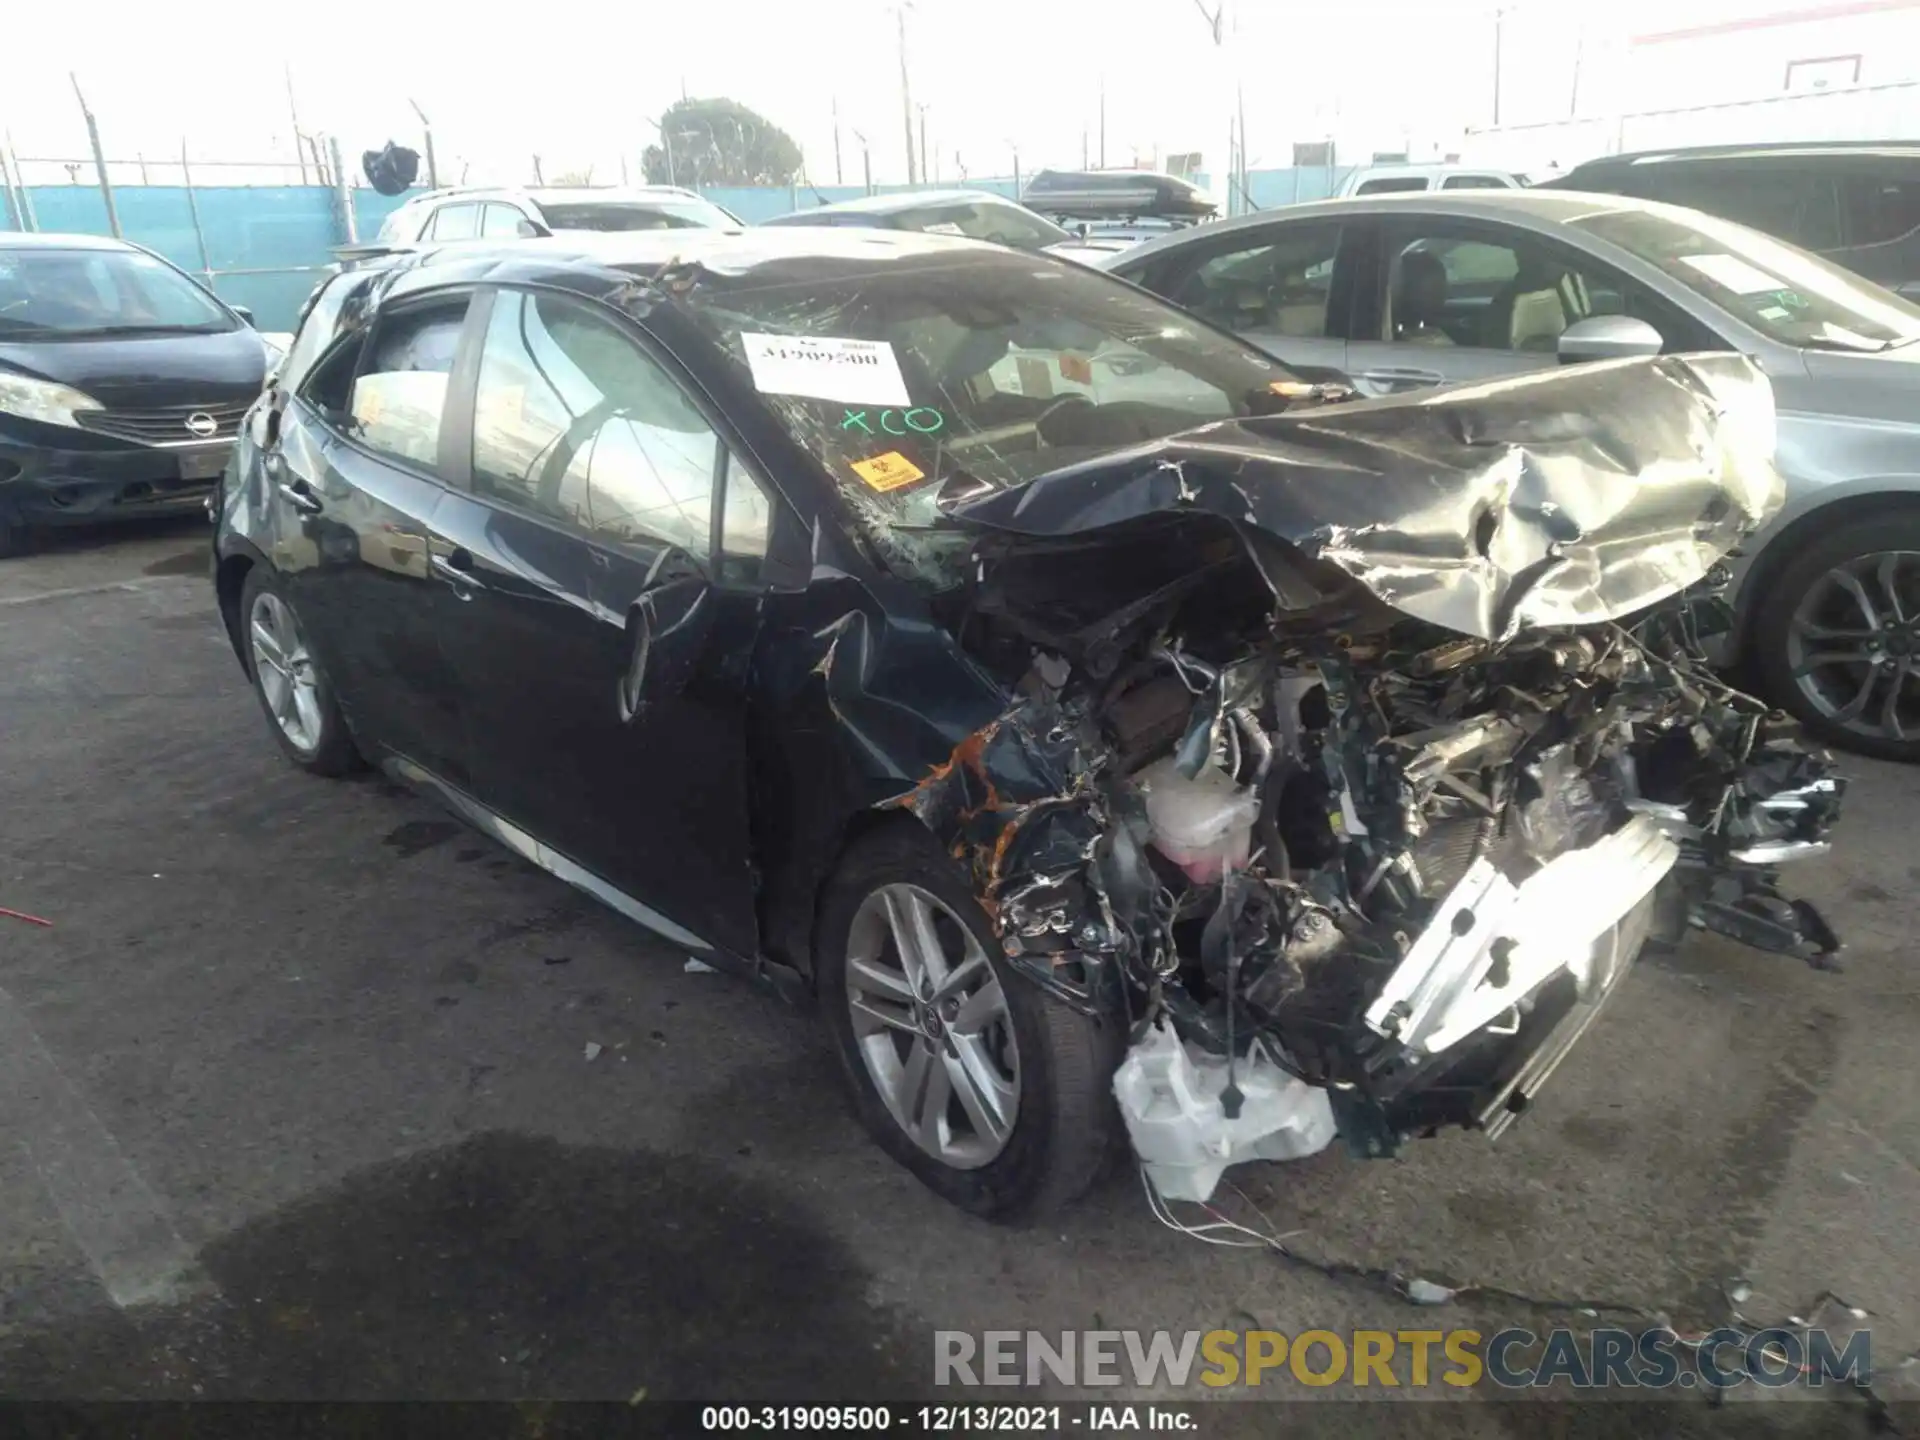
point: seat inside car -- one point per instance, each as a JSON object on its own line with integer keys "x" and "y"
{"x": 1420, "y": 292}
{"x": 1532, "y": 310}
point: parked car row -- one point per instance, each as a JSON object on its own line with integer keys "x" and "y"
{"x": 1087, "y": 684}
{"x": 1076, "y": 701}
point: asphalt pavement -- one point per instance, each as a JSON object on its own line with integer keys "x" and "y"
{"x": 296, "y": 1103}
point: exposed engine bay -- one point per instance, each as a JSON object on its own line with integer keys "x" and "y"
{"x": 1338, "y": 866}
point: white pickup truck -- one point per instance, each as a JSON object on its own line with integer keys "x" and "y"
{"x": 1389, "y": 179}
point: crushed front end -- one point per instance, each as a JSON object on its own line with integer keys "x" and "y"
{"x": 1357, "y": 841}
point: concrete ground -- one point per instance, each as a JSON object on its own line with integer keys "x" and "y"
{"x": 295, "y": 1103}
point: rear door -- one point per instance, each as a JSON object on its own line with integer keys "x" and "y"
{"x": 601, "y": 650}
{"x": 358, "y": 471}
{"x": 1279, "y": 286}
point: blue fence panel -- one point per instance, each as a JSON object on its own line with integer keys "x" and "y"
{"x": 268, "y": 245}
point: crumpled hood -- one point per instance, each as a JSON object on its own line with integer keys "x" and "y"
{"x": 1561, "y": 497}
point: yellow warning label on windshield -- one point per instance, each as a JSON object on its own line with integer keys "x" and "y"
{"x": 889, "y": 471}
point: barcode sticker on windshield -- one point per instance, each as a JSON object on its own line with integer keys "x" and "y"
{"x": 888, "y": 472}
{"x": 853, "y": 372}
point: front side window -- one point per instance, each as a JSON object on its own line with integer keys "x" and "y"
{"x": 1513, "y": 293}
{"x": 1475, "y": 182}
{"x": 399, "y": 393}
{"x": 921, "y": 380}
{"x": 83, "y": 293}
{"x": 1392, "y": 186}
{"x": 1279, "y": 286}
{"x": 1788, "y": 295}
{"x": 575, "y": 422}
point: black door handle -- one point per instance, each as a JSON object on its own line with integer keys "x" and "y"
{"x": 299, "y": 494}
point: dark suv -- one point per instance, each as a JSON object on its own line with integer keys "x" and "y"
{"x": 1858, "y": 203}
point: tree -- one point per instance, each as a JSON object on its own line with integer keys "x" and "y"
{"x": 720, "y": 142}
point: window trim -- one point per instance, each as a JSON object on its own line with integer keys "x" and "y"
{"x": 731, "y": 443}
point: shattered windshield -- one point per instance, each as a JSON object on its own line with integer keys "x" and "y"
{"x": 924, "y": 380}
{"x": 1788, "y": 295}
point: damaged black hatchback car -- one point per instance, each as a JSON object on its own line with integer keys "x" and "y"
{"x": 1107, "y": 728}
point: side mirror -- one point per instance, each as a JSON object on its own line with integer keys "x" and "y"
{"x": 1608, "y": 337}
{"x": 243, "y": 312}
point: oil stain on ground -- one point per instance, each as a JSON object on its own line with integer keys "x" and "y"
{"x": 501, "y": 1268}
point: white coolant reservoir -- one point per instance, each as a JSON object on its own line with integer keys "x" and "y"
{"x": 1204, "y": 825}
{"x": 1169, "y": 1097}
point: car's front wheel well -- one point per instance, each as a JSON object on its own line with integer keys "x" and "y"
{"x": 857, "y": 829}
{"x": 229, "y": 583}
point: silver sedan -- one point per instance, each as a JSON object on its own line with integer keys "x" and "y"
{"x": 1397, "y": 293}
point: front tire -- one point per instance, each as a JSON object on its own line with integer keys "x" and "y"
{"x": 291, "y": 685}
{"x": 997, "y": 1096}
{"x": 1837, "y": 641}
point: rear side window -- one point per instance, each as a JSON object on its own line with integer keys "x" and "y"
{"x": 1391, "y": 186}
{"x": 1798, "y": 205}
{"x": 1277, "y": 287}
{"x": 1475, "y": 182}
{"x": 400, "y": 391}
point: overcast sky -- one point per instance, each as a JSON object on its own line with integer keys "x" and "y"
{"x": 575, "y": 82}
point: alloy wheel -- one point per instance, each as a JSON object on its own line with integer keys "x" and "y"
{"x": 1853, "y": 642}
{"x": 931, "y": 1023}
{"x": 285, "y": 669}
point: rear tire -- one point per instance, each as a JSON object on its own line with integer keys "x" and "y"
{"x": 1815, "y": 609}
{"x": 1064, "y": 1119}
{"x": 289, "y": 681}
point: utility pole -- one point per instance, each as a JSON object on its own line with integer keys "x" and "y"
{"x": 838, "y": 178}
{"x": 906, "y": 90}
{"x": 426, "y": 125}
{"x": 1499, "y": 22}
{"x": 1217, "y": 25}
{"x": 1103, "y": 122}
{"x": 294, "y": 110}
{"x": 866, "y": 159}
{"x": 924, "y": 172}
{"x": 99, "y": 157}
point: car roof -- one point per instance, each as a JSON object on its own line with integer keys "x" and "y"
{"x": 1856, "y": 149}
{"x": 588, "y": 261}
{"x": 558, "y": 194}
{"x": 1536, "y": 209}
{"x": 42, "y": 240}
{"x": 903, "y": 200}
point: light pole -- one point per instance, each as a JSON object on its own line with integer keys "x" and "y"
{"x": 923, "y": 143}
{"x": 906, "y": 89}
